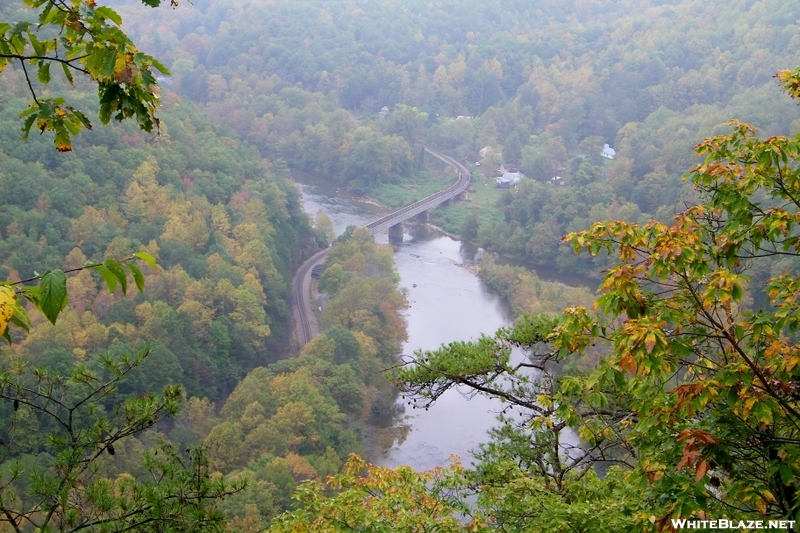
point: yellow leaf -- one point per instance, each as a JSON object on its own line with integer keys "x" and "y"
{"x": 8, "y": 300}
{"x": 749, "y": 403}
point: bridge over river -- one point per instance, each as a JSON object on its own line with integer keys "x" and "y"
{"x": 305, "y": 323}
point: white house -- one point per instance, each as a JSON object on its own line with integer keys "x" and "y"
{"x": 608, "y": 152}
{"x": 510, "y": 176}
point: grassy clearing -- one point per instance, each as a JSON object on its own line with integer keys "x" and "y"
{"x": 412, "y": 189}
{"x": 483, "y": 196}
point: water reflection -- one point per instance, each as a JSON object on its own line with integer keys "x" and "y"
{"x": 447, "y": 302}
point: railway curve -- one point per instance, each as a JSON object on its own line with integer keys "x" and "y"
{"x": 305, "y": 322}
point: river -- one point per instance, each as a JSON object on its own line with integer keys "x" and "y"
{"x": 447, "y": 302}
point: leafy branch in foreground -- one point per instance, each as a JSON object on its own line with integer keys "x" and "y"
{"x": 382, "y": 500}
{"x": 80, "y": 37}
{"x": 69, "y": 422}
{"x": 56, "y": 430}
{"x": 700, "y": 391}
{"x": 713, "y": 381}
{"x": 535, "y": 468}
{"x": 50, "y": 296}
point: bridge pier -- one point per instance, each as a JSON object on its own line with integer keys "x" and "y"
{"x": 396, "y": 232}
{"x": 464, "y": 195}
{"x": 423, "y": 217}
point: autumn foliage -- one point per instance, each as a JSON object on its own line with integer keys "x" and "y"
{"x": 707, "y": 359}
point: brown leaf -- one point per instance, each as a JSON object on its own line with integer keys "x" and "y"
{"x": 702, "y": 468}
{"x": 628, "y": 363}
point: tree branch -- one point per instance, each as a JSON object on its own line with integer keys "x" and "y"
{"x": 68, "y": 62}
{"x": 28, "y": 79}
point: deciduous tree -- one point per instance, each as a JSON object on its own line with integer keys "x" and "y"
{"x": 81, "y": 39}
{"x": 713, "y": 384}
{"x": 371, "y": 498}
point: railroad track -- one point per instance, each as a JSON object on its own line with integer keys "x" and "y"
{"x": 306, "y": 327}
{"x": 305, "y": 322}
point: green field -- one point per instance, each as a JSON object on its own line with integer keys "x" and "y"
{"x": 482, "y": 200}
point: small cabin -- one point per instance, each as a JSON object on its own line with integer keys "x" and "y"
{"x": 608, "y": 152}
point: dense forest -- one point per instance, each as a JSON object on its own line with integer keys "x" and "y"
{"x": 546, "y": 85}
{"x": 671, "y": 396}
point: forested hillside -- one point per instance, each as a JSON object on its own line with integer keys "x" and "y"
{"x": 547, "y": 84}
{"x": 225, "y": 230}
{"x": 676, "y": 399}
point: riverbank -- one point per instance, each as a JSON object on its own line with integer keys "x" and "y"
{"x": 544, "y": 272}
{"x": 447, "y": 302}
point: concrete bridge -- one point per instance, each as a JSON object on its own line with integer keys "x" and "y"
{"x": 305, "y": 322}
{"x": 392, "y": 221}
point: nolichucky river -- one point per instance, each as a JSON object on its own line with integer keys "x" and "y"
{"x": 447, "y": 303}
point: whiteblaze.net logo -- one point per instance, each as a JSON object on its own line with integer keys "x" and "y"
{"x": 724, "y": 523}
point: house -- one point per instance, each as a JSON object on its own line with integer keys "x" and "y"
{"x": 384, "y": 112}
{"x": 608, "y": 152}
{"x": 558, "y": 181}
{"x": 502, "y": 182}
{"x": 510, "y": 176}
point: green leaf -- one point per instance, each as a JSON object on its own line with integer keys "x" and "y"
{"x": 46, "y": 15}
{"x": 67, "y": 73}
{"x": 118, "y": 273}
{"x": 52, "y": 294}
{"x": 110, "y": 14}
{"x": 36, "y": 44}
{"x": 109, "y": 61}
{"x": 44, "y": 74}
{"x": 159, "y": 66}
{"x": 20, "y": 318}
{"x": 736, "y": 292}
{"x": 31, "y": 118}
{"x": 147, "y": 258}
{"x": 138, "y": 278}
{"x": 73, "y": 125}
{"x": 787, "y": 476}
{"x": 31, "y": 294}
{"x": 110, "y": 279}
